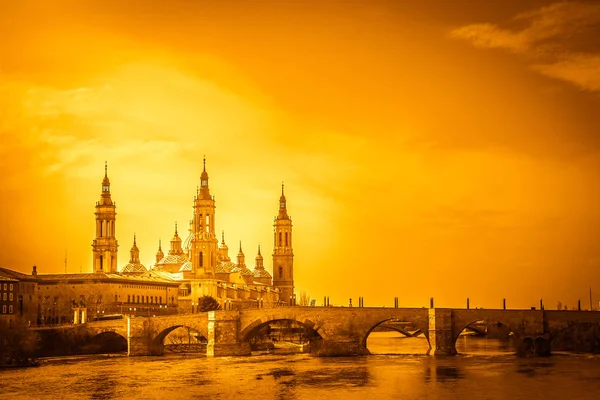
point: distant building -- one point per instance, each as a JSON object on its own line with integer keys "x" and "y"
{"x": 202, "y": 266}
{"x": 193, "y": 268}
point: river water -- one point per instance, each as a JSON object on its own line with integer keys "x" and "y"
{"x": 486, "y": 370}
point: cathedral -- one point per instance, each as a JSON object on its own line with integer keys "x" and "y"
{"x": 200, "y": 264}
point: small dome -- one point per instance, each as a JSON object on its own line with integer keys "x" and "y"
{"x": 261, "y": 273}
{"x": 225, "y": 267}
{"x": 187, "y": 266}
{"x": 173, "y": 259}
{"x": 135, "y": 268}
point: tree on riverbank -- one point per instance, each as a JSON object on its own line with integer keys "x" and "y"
{"x": 17, "y": 342}
{"x": 208, "y": 303}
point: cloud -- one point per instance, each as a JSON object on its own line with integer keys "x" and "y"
{"x": 559, "y": 40}
{"x": 581, "y": 69}
{"x": 491, "y": 36}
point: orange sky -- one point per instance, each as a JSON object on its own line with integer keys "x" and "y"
{"x": 445, "y": 149}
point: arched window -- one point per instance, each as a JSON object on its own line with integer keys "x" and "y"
{"x": 280, "y": 243}
{"x": 128, "y": 298}
{"x": 286, "y": 239}
{"x": 280, "y": 271}
{"x": 201, "y": 259}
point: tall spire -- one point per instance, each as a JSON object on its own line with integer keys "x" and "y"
{"x": 241, "y": 259}
{"x": 105, "y": 245}
{"x": 159, "y": 254}
{"x": 282, "y": 205}
{"x": 175, "y": 228}
{"x": 106, "y": 184}
{"x": 134, "y": 239}
{"x": 259, "y": 260}
{"x": 204, "y": 191}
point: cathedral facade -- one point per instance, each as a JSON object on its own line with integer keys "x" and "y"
{"x": 200, "y": 263}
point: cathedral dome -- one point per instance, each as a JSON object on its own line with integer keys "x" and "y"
{"x": 134, "y": 268}
{"x": 226, "y": 267}
{"x": 186, "y": 266}
{"x": 261, "y": 273}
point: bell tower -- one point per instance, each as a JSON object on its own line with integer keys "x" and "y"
{"x": 204, "y": 244}
{"x": 104, "y": 246}
{"x": 283, "y": 255}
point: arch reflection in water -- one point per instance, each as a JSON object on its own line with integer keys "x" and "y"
{"x": 486, "y": 338}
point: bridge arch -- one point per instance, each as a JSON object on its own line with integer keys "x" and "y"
{"x": 460, "y": 327}
{"x": 161, "y": 336}
{"x": 108, "y": 342}
{"x": 258, "y": 324}
{"x": 418, "y": 327}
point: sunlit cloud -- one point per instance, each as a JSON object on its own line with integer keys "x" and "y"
{"x": 560, "y": 41}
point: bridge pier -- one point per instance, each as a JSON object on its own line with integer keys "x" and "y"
{"x": 441, "y": 336}
{"x": 224, "y": 335}
{"x": 141, "y": 338}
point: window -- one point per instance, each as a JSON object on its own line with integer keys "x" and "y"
{"x": 4, "y": 309}
{"x": 286, "y": 239}
{"x": 10, "y": 309}
{"x": 128, "y": 299}
{"x": 10, "y": 297}
{"x": 3, "y": 296}
{"x": 11, "y": 286}
{"x": 201, "y": 259}
{"x": 280, "y": 271}
{"x": 279, "y": 238}
{"x": 5, "y": 286}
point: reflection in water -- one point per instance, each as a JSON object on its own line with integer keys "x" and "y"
{"x": 483, "y": 345}
{"x": 441, "y": 373}
{"x": 392, "y": 342}
{"x": 302, "y": 377}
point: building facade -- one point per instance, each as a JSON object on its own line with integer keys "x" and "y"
{"x": 195, "y": 267}
{"x": 203, "y": 266}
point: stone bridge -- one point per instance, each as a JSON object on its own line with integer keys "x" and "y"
{"x": 344, "y": 331}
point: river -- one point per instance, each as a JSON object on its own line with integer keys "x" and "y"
{"x": 485, "y": 370}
